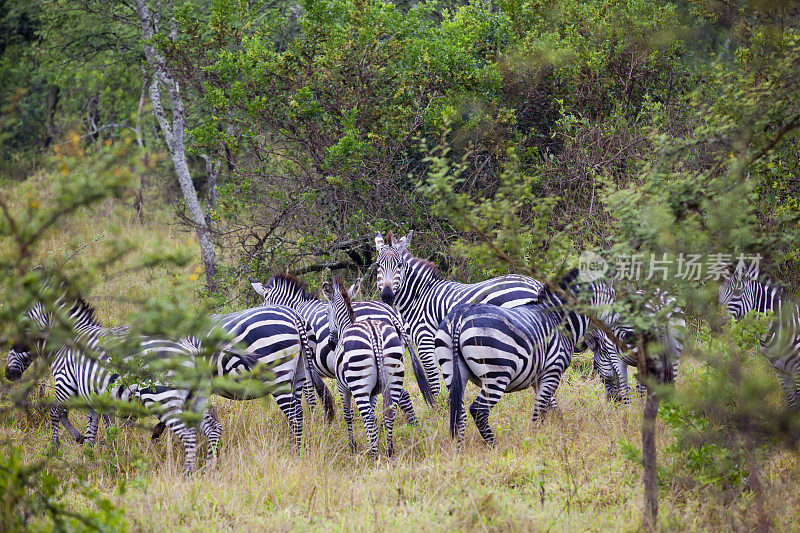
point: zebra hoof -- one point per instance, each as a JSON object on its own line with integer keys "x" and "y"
{"x": 80, "y": 439}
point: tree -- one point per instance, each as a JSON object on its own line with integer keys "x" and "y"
{"x": 174, "y": 133}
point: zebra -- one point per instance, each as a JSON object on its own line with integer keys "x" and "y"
{"x": 612, "y": 364}
{"x": 276, "y": 338}
{"x": 285, "y": 289}
{"x": 742, "y": 293}
{"x": 423, "y": 298}
{"x": 369, "y": 360}
{"x": 510, "y": 349}
{"x": 82, "y": 368}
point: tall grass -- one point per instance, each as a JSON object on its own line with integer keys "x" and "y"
{"x": 567, "y": 473}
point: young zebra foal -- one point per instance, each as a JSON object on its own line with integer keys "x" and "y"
{"x": 369, "y": 360}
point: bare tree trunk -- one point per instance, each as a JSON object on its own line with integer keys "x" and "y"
{"x": 173, "y": 135}
{"x": 649, "y": 457}
{"x": 139, "y": 203}
{"x": 650, "y": 460}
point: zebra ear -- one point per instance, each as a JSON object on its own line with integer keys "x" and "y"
{"x": 403, "y": 243}
{"x": 752, "y": 271}
{"x": 355, "y": 289}
{"x": 378, "y": 240}
{"x": 327, "y": 291}
{"x": 259, "y": 288}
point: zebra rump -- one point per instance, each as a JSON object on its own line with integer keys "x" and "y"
{"x": 507, "y": 350}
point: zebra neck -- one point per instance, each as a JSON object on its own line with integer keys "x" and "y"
{"x": 309, "y": 308}
{"x": 575, "y": 326}
{"x": 420, "y": 280}
{"x": 764, "y": 298}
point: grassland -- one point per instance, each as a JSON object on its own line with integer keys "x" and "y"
{"x": 569, "y": 473}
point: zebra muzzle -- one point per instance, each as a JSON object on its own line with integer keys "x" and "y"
{"x": 387, "y": 296}
{"x": 13, "y": 374}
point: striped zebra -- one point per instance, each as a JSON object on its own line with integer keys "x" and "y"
{"x": 82, "y": 368}
{"x": 275, "y": 338}
{"x": 273, "y": 343}
{"x": 284, "y": 289}
{"x": 369, "y": 361}
{"x": 506, "y": 350}
{"x": 416, "y": 288}
{"x": 742, "y": 293}
{"x": 612, "y": 364}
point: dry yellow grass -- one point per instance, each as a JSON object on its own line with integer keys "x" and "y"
{"x": 566, "y": 474}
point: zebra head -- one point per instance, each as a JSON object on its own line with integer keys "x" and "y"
{"x": 595, "y": 294}
{"x": 736, "y": 292}
{"x": 19, "y": 359}
{"x": 340, "y": 308}
{"x": 35, "y": 321}
{"x": 605, "y": 361}
{"x": 392, "y": 265}
{"x": 283, "y": 289}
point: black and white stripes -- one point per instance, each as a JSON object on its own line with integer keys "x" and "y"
{"x": 612, "y": 364}
{"x": 742, "y": 293}
{"x": 423, "y": 298}
{"x": 82, "y": 368}
{"x": 369, "y": 360}
{"x": 507, "y": 350}
{"x": 275, "y": 339}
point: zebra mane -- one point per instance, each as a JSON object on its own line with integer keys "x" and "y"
{"x": 84, "y": 312}
{"x": 340, "y": 286}
{"x": 434, "y": 270}
{"x": 295, "y": 285}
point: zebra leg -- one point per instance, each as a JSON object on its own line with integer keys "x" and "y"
{"x": 286, "y": 403}
{"x": 789, "y": 384}
{"x": 74, "y": 433}
{"x": 544, "y": 394}
{"x": 796, "y": 395}
{"x": 624, "y": 390}
{"x": 426, "y": 350}
{"x": 347, "y": 409}
{"x": 311, "y": 397}
{"x": 490, "y": 394}
{"x": 404, "y": 401}
{"x": 91, "y": 427}
{"x": 388, "y": 422}
{"x": 212, "y": 429}
{"x": 188, "y": 436}
{"x": 107, "y": 420}
{"x": 364, "y": 404}
{"x": 298, "y": 417}
{"x": 56, "y": 414}
{"x": 480, "y": 413}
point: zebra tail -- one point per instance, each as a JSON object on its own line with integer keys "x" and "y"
{"x": 383, "y": 375}
{"x": 456, "y": 387}
{"x": 420, "y": 375}
{"x": 323, "y": 392}
{"x": 416, "y": 364}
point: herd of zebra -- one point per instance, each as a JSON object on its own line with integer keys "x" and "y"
{"x": 505, "y": 334}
